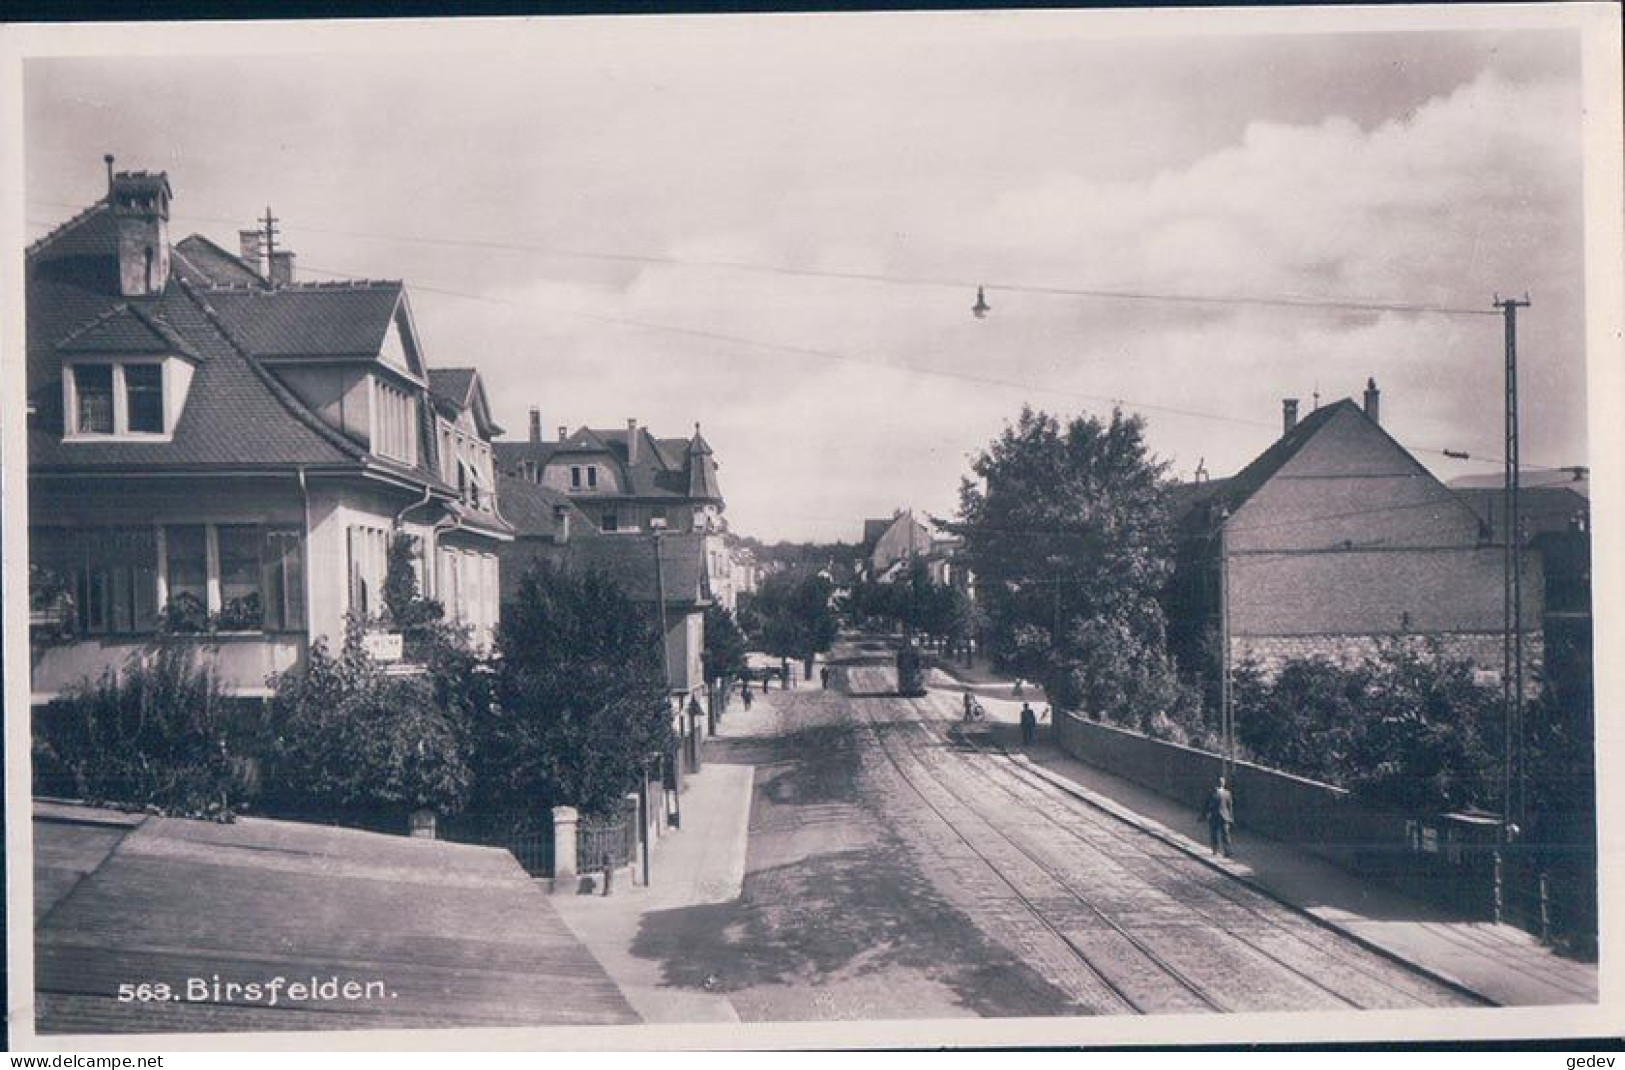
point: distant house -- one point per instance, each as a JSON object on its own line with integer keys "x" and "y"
{"x": 1334, "y": 538}
{"x": 890, "y": 546}
{"x": 550, "y": 529}
{"x": 1555, "y": 524}
{"x": 217, "y": 449}
{"x": 629, "y": 481}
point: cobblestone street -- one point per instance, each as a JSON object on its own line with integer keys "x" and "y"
{"x": 901, "y": 864}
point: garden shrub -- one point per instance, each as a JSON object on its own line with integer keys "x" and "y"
{"x": 152, "y": 736}
{"x": 355, "y": 743}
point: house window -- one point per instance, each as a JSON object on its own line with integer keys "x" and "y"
{"x": 575, "y": 477}
{"x": 592, "y": 477}
{"x": 369, "y": 551}
{"x": 241, "y": 606}
{"x": 394, "y": 424}
{"x": 115, "y": 399}
{"x": 186, "y": 566}
{"x": 117, "y": 578}
{"x": 611, "y": 522}
{"x": 144, "y": 387}
{"x": 93, "y": 384}
{"x": 107, "y": 578}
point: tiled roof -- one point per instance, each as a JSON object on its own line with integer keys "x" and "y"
{"x": 203, "y": 263}
{"x": 128, "y": 328}
{"x": 702, "y": 470}
{"x": 452, "y": 384}
{"x": 630, "y": 561}
{"x": 236, "y": 415}
{"x": 532, "y": 508}
{"x": 309, "y": 320}
{"x": 662, "y": 470}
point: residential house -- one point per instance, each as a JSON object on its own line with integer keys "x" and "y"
{"x": 892, "y": 546}
{"x": 1333, "y": 539}
{"x": 629, "y": 481}
{"x": 1555, "y": 526}
{"x": 667, "y": 572}
{"x": 217, "y": 449}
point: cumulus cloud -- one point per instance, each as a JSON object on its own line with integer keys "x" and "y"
{"x": 1424, "y": 168}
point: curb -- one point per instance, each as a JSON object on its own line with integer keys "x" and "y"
{"x": 1127, "y": 816}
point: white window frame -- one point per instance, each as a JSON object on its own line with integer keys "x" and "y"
{"x": 121, "y": 401}
{"x": 394, "y": 423}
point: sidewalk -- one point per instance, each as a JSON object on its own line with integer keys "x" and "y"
{"x": 1502, "y": 963}
{"x": 979, "y": 676}
{"x": 701, "y": 862}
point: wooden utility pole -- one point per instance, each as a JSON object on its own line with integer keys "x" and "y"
{"x": 1513, "y": 772}
{"x": 1227, "y": 725}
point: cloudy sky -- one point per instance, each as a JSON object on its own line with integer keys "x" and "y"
{"x": 775, "y": 226}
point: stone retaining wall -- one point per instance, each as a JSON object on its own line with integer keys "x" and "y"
{"x": 1319, "y": 818}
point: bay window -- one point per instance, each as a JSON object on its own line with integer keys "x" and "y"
{"x": 187, "y": 578}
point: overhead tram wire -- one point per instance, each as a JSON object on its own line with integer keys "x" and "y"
{"x": 913, "y": 369}
{"x": 1297, "y": 301}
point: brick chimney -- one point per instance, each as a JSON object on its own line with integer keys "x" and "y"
{"x": 251, "y": 247}
{"x": 564, "y": 432}
{"x": 141, "y": 211}
{"x": 535, "y": 426}
{"x": 1289, "y": 415}
{"x": 632, "y": 441}
{"x": 561, "y": 523}
{"x": 1373, "y": 400}
{"x": 281, "y": 268}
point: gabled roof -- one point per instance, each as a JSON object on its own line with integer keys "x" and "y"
{"x": 1233, "y": 492}
{"x": 203, "y": 263}
{"x": 236, "y": 414}
{"x": 128, "y": 328}
{"x": 349, "y": 319}
{"x": 463, "y": 389}
{"x": 453, "y": 384}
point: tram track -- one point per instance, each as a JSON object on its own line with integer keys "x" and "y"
{"x": 1295, "y": 971}
{"x": 998, "y": 770}
{"x": 1135, "y": 1002}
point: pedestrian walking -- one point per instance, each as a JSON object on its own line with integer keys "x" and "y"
{"x": 970, "y": 704}
{"x": 1220, "y": 812}
{"x": 746, "y": 695}
{"x": 1029, "y": 725}
{"x": 823, "y": 676}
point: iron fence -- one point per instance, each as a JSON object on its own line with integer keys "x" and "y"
{"x": 608, "y": 843}
{"x": 527, "y": 835}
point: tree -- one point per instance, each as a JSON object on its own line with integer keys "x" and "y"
{"x": 724, "y": 653}
{"x": 1068, "y": 534}
{"x": 798, "y": 620}
{"x": 357, "y": 743}
{"x": 581, "y": 703}
{"x": 1307, "y": 720}
{"x": 1430, "y": 738}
